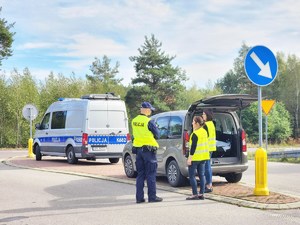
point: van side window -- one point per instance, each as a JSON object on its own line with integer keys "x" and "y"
{"x": 58, "y": 120}
{"x": 45, "y": 122}
{"x": 175, "y": 126}
{"x": 218, "y": 125}
{"x": 163, "y": 125}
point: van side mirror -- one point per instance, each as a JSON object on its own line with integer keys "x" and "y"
{"x": 38, "y": 126}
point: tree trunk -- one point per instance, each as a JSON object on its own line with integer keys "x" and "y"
{"x": 297, "y": 112}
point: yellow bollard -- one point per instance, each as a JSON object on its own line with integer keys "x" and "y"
{"x": 30, "y": 153}
{"x": 261, "y": 173}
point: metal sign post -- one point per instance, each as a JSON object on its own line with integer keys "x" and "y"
{"x": 261, "y": 68}
{"x": 266, "y": 132}
{"x": 30, "y": 112}
{"x": 266, "y": 107}
{"x": 259, "y": 118}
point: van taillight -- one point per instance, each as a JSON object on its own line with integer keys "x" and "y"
{"x": 85, "y": 138}
{"x": 244, "y": 144}
{"x": 128, "y": 137}
{"x": 185, "y": 143}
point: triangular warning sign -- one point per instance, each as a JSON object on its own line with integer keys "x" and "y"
{"x": 267, "y": 105}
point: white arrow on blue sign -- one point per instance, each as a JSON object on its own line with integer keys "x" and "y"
{"x": 261, "y": 65}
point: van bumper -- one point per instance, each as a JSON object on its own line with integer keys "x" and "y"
{"x": 99, "y": 155}
{"x": 225, "y": 169}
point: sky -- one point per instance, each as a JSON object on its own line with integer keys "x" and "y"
{"x": 65, "y": 36}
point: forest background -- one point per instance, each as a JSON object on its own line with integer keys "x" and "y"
{"x": 157, "y": 80}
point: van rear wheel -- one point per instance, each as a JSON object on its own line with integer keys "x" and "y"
{"x": 114, "y": 160}
{"x": 174, "y": 176}
{"x": 71, "y": 155}
{"x": 233, "y": 177}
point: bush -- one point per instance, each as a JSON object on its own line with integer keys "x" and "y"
{"x": 279, "y": 123}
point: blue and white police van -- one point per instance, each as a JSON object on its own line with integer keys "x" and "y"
{"x": 91, "y": 127}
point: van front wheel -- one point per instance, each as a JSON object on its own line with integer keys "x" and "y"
{"x": 71, "y": 155}
{"x": 38, "y": 155}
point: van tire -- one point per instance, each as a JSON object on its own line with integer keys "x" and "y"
{"x": 128, "y": 167}
{"x": 71, "y": 155}
{"x": 114, "y": 160}
{"x": 233, "y": 177}
{"x": 38, "y": 155}
{"x": 174, "y": 176}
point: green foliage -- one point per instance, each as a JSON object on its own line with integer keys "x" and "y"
{"x": 103, "y": 77}
{"x": 6, "y": 39}
{"x": 157, "y": 81}
{"x": 55, "y": 87}
{"x": 290, "y": 88}
{"x": 21, "y": 90}
{"x": 285, "y": 88}
{"x": 4, "y": 116}
{"x": 188, "y": 96}
{"x": 279, "y": 128}
{"x": 236, "y": 81}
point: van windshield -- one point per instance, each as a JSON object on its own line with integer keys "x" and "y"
{"x": 107, "y": 119}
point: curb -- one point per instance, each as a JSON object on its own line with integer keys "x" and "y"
{"x": 214, "y": 197}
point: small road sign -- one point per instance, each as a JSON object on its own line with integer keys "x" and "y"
{"x": 267, "y": 105}
{"x": 29, "y": 112}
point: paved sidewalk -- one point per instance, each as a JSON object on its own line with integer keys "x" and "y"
{"x": 237, "y": 194}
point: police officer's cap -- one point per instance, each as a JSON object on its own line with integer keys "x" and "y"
{"x": 147, "y": 105}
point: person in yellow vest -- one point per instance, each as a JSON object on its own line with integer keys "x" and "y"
{"x": 198, "y": 155}
{"x": 211, "y": 130}
{"x": 145, "y": 146}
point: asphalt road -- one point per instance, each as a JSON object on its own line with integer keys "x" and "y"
{"x": 38, "y": 198}
{"x": 282, "y": 177}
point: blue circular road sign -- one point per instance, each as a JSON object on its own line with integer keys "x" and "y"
{"x": 261, "y": 65}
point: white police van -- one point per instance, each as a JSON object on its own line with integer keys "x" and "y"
{"x": 91, "y": 127}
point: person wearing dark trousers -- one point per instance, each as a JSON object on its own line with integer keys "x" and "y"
{"x": 211, "y": 130}
{"x": 145, "y": 146}
{"x": 197, "y": 158}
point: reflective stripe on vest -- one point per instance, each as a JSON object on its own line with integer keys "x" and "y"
{"x": 201, "y": 152}
{"x": 141, "y": 134}
{"x": 212, "y": 136}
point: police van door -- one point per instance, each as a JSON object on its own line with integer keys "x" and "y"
{"x": 117, "y": 125}
{"x": 108, "y": 127}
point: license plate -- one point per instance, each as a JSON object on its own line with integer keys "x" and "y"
{"x": 103, "y": 149}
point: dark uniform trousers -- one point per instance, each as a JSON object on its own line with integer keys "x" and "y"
{"x": 146, "y": 165}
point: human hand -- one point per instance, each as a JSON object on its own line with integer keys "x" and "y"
{"x": 189, "y": 161}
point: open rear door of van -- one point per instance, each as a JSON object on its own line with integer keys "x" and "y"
{"x": 228, "y": 128}
{"x": 225, "y": 101}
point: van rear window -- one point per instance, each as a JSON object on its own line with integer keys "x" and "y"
{"x": 117, "y": 119}
{"x": 107, "y": 119}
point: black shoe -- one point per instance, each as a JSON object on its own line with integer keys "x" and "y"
{"x": 201, "y": 197}
{"x": 157, "y": 199}
{"x": 140, "y": 201}
{"x": 208, "y": 190}
{"x": 193, "y": 197}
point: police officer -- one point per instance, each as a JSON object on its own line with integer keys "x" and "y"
{"x": 144, "y": 134}
{"x": 211, "y": 130}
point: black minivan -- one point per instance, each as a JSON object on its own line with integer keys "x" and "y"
{"x": 230, "y": 159}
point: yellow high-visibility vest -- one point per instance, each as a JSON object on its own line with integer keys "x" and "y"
{"x": 201, "y": 152}
{"x": 142, "y": 135}
{"x": 211, "y": 136}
